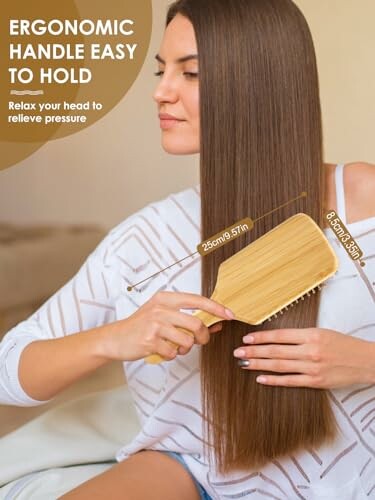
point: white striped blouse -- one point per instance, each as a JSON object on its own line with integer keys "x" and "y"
{"x": 167, "y": 396}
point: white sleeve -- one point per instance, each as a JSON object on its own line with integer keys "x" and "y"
{"x": 84, "y": 302}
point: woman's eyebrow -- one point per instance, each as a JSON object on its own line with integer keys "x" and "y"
{"x": 179, "y": 60}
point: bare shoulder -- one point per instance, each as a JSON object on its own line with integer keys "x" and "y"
{"x": 359, "y": 190}
{"x": 360, "y": 172}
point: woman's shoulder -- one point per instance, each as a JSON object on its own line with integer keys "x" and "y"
{"x": 148, "y": 224}
{"x": 165, "y": 208}
{"x": 359, "y": 188}
{"x": 359, "y": 182}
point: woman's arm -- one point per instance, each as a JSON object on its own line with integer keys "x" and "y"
{"x": 47, "y": 367}
{"x": 39, "y": 357}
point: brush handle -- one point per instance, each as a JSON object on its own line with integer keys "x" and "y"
{"x": 207, "y": 318}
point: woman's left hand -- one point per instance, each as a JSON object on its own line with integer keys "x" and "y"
{"x": 318, "y": 357}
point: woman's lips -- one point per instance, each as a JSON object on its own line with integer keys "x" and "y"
{"x": 166, "y": 123}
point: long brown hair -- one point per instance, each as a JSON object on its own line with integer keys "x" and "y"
{"x": 260, "y": 146}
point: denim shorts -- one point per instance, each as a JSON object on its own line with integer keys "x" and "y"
{"x": 202, "y": 492}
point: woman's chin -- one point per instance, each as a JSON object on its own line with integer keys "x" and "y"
{"x": 179, "y": 149}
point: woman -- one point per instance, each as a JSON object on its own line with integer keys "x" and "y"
{"x": 254, "y": 116}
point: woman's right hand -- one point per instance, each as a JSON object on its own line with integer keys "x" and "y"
{"x": 145, "y": 332}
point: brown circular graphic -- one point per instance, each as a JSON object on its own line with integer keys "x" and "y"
{"x": 69, "y": 63}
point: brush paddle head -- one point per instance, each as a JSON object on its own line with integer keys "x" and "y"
{"x": 276, "y": 270}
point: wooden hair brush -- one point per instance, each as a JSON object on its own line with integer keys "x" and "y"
{"x": 271, "y": 273}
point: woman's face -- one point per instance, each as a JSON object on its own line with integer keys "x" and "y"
{"x": 177, "y": 93}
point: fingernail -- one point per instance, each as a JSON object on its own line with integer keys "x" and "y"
{"x": 229, "y": 313}
{"x": 239, "y": 353}
{"x": 248, "y": 339}
{"x": 243, "y": 362}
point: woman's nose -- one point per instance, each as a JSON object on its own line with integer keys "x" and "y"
{"x": 165, "y": 92}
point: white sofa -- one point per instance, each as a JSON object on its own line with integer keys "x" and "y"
{"x": 65, "y": 446}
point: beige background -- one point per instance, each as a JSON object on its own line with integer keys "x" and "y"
{"x": 98, "y": 175}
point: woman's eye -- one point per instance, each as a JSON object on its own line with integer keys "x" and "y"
{"x": 188, "y": 74}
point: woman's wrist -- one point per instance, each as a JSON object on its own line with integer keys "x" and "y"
{"x": 368, "y": 361}
{"x": 103, "y": 342}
